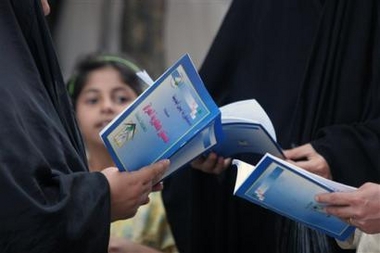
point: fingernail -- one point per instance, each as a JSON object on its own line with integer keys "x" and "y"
{"x": 165, "y": 161}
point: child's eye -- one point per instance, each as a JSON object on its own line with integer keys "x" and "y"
{"x": 122, "y": 99}
{"x": 92, "y": 101}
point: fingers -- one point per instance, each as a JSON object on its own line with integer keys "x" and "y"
{"x": 219, "y": 166}
{"x": 368, "y": 226}
{"x": 339, "y": 204}
{"x": 343, "y": 212}
{"x": 330, "y": 198}
{"x": 45, "y": 7}
{"x": 307, "y": 158}
{"x": 205, "y": 162}
{"x": 299, "y": 153}
{"x": 157, "y": 187}
{"x": 144, "y": 200}
{"x": 227, "y": 162}
{"x": 335, "y": 198}
{"x": 129, "y": 190}
{"x": 316, "y": 166}
{"x": 163, "y": 165}
{"x": 154, "y": 172}
{"x": 211, "y": 164}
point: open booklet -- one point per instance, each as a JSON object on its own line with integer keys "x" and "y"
{"x": 289, "y": 190}
{"x": 176, "y": 118}
{"x": 247, "y": 129}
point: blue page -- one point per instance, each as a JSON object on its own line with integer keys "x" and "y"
{"x": 244, "y": 137}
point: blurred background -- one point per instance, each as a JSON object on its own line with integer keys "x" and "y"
{"x": 155, "y": 33}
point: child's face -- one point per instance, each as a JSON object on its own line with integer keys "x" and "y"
{"x": 103, "y": 97}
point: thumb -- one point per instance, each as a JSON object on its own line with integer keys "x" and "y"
{"x": 155, "y": 171}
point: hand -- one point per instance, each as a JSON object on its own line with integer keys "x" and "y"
{"x": 360, "y": 208}
{"x": 211, "y": 164}
{"x": 130, "y": 190}
{"x": 124, "y": 245}
{"x": 307, "y": 158}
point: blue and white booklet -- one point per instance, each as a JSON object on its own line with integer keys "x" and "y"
{"x": 174, "y": 118}
{"x": 289, "y": 190}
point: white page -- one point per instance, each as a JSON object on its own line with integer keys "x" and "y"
{"x": 243, "y": 171}
{"x": 250, "y": 111}
{"x": 144, "y": 76}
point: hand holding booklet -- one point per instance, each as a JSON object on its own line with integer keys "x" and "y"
{"x": 176, "y": 118}
{"x": 289, "y": 190}
{"x": 173, "y": 118}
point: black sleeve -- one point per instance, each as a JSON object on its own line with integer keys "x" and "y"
{"x": 50, "y": 202}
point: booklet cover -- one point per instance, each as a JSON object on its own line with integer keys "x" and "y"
{"x": 289, "y": 190}
{"x": 174, "y": 118}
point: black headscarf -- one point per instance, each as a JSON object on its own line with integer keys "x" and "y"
{"x": 50, "y": 202}
{"x": 314, "y": 66}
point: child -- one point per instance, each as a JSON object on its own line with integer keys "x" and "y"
{"x": 101, "y": 87}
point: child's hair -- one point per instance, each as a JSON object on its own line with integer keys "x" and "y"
{"x": 126, "y": 68}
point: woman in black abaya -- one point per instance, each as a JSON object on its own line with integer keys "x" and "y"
{"x": 49, "y": 200}
{"x": 314, "y": 66}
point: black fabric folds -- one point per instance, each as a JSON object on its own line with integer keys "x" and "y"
{"x": 314, "y": 67}
{"x": 50, "y": 203}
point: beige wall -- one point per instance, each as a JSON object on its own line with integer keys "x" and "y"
{"x": 190, "y": 27}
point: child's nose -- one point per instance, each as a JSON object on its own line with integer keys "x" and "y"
{"x": 107, "y": 105}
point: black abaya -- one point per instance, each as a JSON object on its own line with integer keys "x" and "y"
{"x": 50, "y": 203}
{"x": 314, "y": 67}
